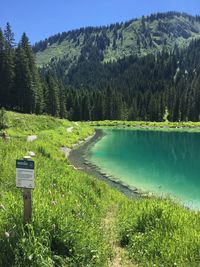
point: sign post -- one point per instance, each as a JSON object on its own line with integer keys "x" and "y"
{"x": 27, "y": 205}
{"x": 25, "y": 180}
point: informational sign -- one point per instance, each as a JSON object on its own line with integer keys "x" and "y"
{"x": 25, "y": 174}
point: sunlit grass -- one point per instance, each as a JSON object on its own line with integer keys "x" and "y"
{"x": 160, "y": 233}
{"x": 69, "y": 207}
{"x": 148, "y": 125}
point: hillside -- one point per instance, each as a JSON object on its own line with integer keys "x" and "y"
{"x": 130, "y": 71}
{"x": 136, "y": 37}
{"x": 134, "y": 88}
{"x": 77, "y": 219}
{"x": 91, "y": 87}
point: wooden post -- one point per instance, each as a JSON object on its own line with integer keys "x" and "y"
{"x": 27, "y": 201}
{"x": 27, "y": 205}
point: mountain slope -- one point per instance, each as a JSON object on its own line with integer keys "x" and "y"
{"x": 142, "y": 88}
{"x": 136, "y": 37}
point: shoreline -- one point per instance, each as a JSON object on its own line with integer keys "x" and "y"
{"x": 77, "y": 157}
{"x": 151, "y": 128}
{"x": 189, "y": 127}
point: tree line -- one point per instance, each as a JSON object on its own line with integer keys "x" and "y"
{"x": 131, "y": 88}
{"x": 136, "y": 88}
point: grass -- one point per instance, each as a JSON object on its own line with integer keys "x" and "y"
{"x": 66, "y": 48}
{"x": 148, "y": 125}
{"x": 160, "y": 233}
{"x": 69, "y": 208}
{"x": 67, "y": 205}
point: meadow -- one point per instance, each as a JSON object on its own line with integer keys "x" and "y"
{"x": 77, "y": 219}
{"x": 149, "y": 125}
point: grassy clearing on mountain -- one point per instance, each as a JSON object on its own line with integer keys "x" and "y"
{"x": 135, "y": 37}
{"x": 69, "y": 207}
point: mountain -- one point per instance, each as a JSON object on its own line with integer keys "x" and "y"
{"x": 137, "y": 88}
{"x": 139, "y": 37}
{"x": 85, "y": 75}
{"x": 139, "y": 70}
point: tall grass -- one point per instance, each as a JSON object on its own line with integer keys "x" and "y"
{"x": 160, "y": 232}
{"x": 69, "y": 207}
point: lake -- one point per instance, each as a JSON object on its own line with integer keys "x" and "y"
{"x": 161, "y": 162}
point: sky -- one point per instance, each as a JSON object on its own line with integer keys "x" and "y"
{"x": 43, "y": 18}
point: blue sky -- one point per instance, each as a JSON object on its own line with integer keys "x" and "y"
{"x": 42, "y": 18}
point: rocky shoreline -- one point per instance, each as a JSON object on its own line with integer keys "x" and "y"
{"x": 78, "y": 158}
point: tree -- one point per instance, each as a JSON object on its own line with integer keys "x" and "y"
{"x": 52, "y": 101}
{"x": 2, "y": 47}
{"x": 62, "y": 104}
{"x": 9, "y": 36}
{"x": 24, "y": 88}
{"x": 8, "y": 72}
{"x": 28, "y": 84}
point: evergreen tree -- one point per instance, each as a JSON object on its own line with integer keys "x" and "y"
{"x": 25, "y": 95}
{"x": 52, "y": 101}
{"x": 28, "y": 84}
{"x": 8, "y": 72}
{"x": 62, "y": 103}
{"x": 2, "y": 47}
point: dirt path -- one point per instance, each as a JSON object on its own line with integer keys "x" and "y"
{"x": 120, "y": 258}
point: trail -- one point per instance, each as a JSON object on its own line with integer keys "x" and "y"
{"x": 120, "y": 258}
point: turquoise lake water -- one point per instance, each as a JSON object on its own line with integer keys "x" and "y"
{"x": 165, "y": 163}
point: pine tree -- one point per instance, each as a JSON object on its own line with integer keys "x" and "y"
{"x": 9, "y": 36}
{"x": 28, "y": 84}
{"x": 37, "y": 93}
{"x": 24, "y": 91}
{"x": 62, "y": 100}
{"x": 86, "y": 107}
{"x": 8, "y": 68}
{"x": 52, "y": 101}
{"x": 2, "y": 46}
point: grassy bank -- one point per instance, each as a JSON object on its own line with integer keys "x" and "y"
{"x": 165, "y": 125}
{"x": 69, "y": 209}
{"x": 159, "y": 232}
{"x": 67, "y": 205}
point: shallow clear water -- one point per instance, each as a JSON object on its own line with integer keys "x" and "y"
{"x": 165, "y": 163}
